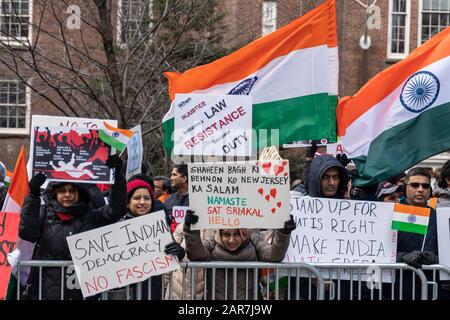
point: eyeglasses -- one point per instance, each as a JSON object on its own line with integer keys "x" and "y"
{"x": 416, "y": 185}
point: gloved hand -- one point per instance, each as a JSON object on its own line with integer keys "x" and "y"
{"x": 176, "y": 249}
{"x": 429, "y": 257}
{"x": 413, "y": 258}
{"x": 115, "y": 162}
{"x": 190, "y": 218}
{"x": 343, "y": 159}
{"x": 289, "y": 225}
{"x": 312, "y": 150}
{"x": 35, "y": 184}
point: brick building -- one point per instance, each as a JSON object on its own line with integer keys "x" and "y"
{"x": 396, "y": 28}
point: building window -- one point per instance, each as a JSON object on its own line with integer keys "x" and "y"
{"x": 398, "y": 31}
{"x": 269, "y": 22}
{"x": 134, "y": 19}
{"x": 434, "y": 17}
{"x": 15, "y": 19}
{"x": 13, "y": 107}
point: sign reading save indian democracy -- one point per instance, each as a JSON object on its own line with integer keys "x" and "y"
{"x": 239, "y": 194}
{"x": 122, "y": 253}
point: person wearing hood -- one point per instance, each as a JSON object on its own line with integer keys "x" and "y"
{"x": 442, "y": 192}
{"x": 141, "y": 201}
{"x": 327, "y": 178}
{"x": 234, "y": 245}
{"x": 66, "y": 210}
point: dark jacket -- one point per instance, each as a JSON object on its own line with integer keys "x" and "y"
{"x": 40, "y": 224}
{"x": 176, "y": 200}
{"x": 318, "y": 167}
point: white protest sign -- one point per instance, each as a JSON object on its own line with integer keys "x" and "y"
{"x": 217, "y": 125}
{"x": 122, "y": 253}
{"x": 229, "y": 195}
{"x": 178, "y": 213}
{"x": 135, "y": 152}
{"x": 341, "y": 231}
{"x": 443, "y": 230}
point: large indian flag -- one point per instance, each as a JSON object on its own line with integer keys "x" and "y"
{"x": 401, "y": 116}
{"x": 291, "y": 74}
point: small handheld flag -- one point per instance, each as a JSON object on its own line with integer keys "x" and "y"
{"x": 410, "y": 218}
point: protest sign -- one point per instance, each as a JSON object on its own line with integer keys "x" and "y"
{"x": 229, "y": 195}
{"x": 217, "y": 125}
{"x": 122, "y": 253}
{"x": 73, "y": 155}
{"x": 178, "y": 213}
{"x": 42, "y": 121}
{"x": 9, "y": 229}
{"x": 341, "y": 231}
{"x": 135, "y": 152}
{"x": 443, "y": 230}
{"x": 306, "y": 143}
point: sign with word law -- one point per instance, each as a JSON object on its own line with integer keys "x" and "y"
{"x": 341, "y": 231}
{"x": 230, "y": 195}
{"x": 122, "y": 253}
{"x": 217, "y": 125}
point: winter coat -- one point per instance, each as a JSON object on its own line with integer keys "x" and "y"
{"x": 40, "y": 224}
{"x": 318, "y": 167}
{"x": 253, "y": 248}
{"x": 443, "y": 196}
{"x": 176, "y": 291}
{"x": 176, "y": 200}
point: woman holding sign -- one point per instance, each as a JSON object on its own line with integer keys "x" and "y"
{"x": 141, "y": 201}
{"x": 235, "y": 245}
{"x": 67, "y": 209}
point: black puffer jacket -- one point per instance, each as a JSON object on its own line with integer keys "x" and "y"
{"x": 40, "y": 224}
{"x": 318, "y": 167}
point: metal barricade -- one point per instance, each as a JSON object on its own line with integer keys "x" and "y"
{"x": 435, "y": 281}
{"x": 232, "y": 271}
{"x": 347, "y": 281}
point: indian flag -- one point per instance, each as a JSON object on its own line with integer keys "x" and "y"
{"x": 401, "y": 116}
{"x": 17, "y": 191}
{"x": 410, "y": 218}
{"x": 291, "y": 74}
{"x": 7, "y": 179}
{"x": 115, "y": 137}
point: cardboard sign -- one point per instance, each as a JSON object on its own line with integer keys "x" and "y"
{"x": 122, "y": 253}
{"x": 217, "y": 125}
{"x": 179, "y": 213}
{"x": 9, "y": 229}
{"x": 231, "y": 195}
{"x": 135, "y": 152}
{"x": 67, "y": 154}
{"x": 341, "y": 231}
{"x": 443, "y": 230}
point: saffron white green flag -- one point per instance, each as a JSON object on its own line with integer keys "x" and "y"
{"x": 410, "y": 218}
{"x": 401, "y": 116}
{"x": 115, "y": 137}
{"x": 291, "y": 75}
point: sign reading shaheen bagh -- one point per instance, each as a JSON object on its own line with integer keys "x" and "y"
{"x": 229, "y": 195}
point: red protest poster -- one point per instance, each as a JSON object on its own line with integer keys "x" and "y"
{"x": 9, "y": 229}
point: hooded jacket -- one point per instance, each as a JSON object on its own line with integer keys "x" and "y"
{"x": 318, "y": 167}
{"x": 41, "y": 224}
{"x": 444, "y": 197}
{"x": 253, "y": 248}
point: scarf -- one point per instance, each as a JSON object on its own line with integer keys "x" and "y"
{"x": 68, "y": 213}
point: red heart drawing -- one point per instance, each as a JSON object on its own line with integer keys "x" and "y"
{"x": 266, "y": 166}
{"x": 273, "y": 192}
{"x": 273, "y": 211}
{"x": 284, "y": 163}
{"x": 285, "y": 174}
{"x": 261, "y": 191}
{"x": 279, "y": 204}
{"x": 267, "y": 197}
{"x": 278, "y": 169}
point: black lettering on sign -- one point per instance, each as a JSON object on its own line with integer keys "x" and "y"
{"x": 6, "y": 247}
